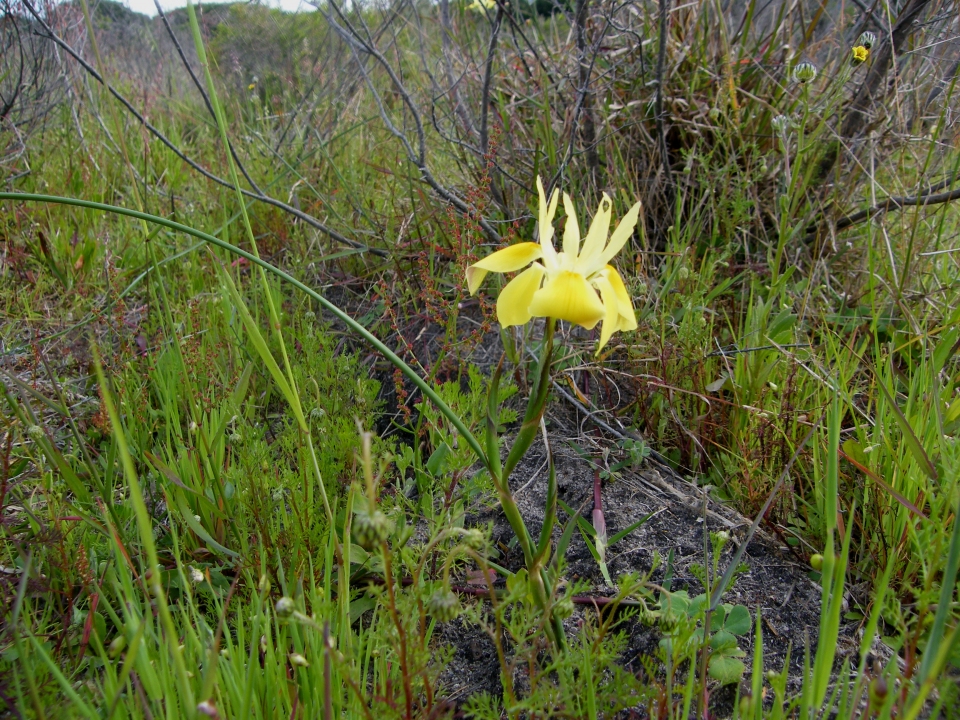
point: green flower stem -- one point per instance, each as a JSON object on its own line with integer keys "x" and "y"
{"x": 535, "y": 556}
{"x": 428, "y": 391}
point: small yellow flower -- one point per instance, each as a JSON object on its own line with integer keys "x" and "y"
{"x": 564, "y": 285}
{"x": 481, "y": 5}
{"x": 860, "y": 54}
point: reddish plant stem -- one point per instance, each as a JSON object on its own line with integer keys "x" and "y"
{"x": 407, "y": 692}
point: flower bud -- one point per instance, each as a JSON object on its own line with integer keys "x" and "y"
{"x": 805, "y": 72}
{"x": 206, "y": 707}
{"x": 867, "y": 39}
{"x": 474, "y": 539}
{"x": 781, "y": 123}
{"x": 444, "y": 605}
{"x": 878, "y": 691}
{"x": 117, "y": 645}
{"x": 371, "y": 528}
{"x": 563, "y": 608}
{"x": 298, "y": 660}
{"x": 284, "y": 607}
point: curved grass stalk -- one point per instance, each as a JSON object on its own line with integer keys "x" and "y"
{"x": 395, "y": 359}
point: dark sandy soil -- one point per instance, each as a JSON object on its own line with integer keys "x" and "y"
{"x": 775, "y": 582}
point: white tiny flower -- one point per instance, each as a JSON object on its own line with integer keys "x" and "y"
{"x": 208, "y": 708}
{"x": 781, "y": 123}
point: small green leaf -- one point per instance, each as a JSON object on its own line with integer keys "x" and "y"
{"x": 726, "y": 670}
{"x": 853, "y": 450}
{"x": 717, "y": 384}
{"x": 626, "y": 531}
{"x": 722, "y": 641}
{"x": 738, "y": 620}
{"x": 438, "y": 460}
{"x": 699, "y": 604}
{"x": 360, "y": 606}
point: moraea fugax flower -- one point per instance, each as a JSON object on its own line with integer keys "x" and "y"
{"x": 565, "y": 285}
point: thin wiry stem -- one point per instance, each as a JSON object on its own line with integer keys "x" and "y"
{"x": 260, "y": 197}
{"x": 416, "y": 155}
{"x": 203, "y": 92}
{"x": 928, "y": 197}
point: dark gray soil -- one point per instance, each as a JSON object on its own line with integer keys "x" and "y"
{"x": 776, "y": 582}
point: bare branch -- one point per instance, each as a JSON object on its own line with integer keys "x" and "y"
{"x": 930, "y": 196}
{"x": 259, "y": 196}
{"x": 417, "y": 156}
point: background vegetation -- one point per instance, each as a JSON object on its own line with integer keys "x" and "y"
{"x": 168, "y": 548}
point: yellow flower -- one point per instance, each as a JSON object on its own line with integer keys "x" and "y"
{"x": 860, "y": 54}
{"x": 564, "y": 285}
{"x": 481, "y": 5}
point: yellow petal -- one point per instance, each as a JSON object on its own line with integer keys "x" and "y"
{"x": 628, "y": 317}
{"x": 621, "y": 234}
{"x": 568, "y": 296}
{"x": 596, "y": 238}
{"x": 571, "y": 231}
{"x": 513, "y": 305}
{"x": 611, "y": 305}
{"x": 509, "y": 259}
{"x": 545, "y": 226}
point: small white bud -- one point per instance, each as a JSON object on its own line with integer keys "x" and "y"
{"x": 298, "y": 660}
